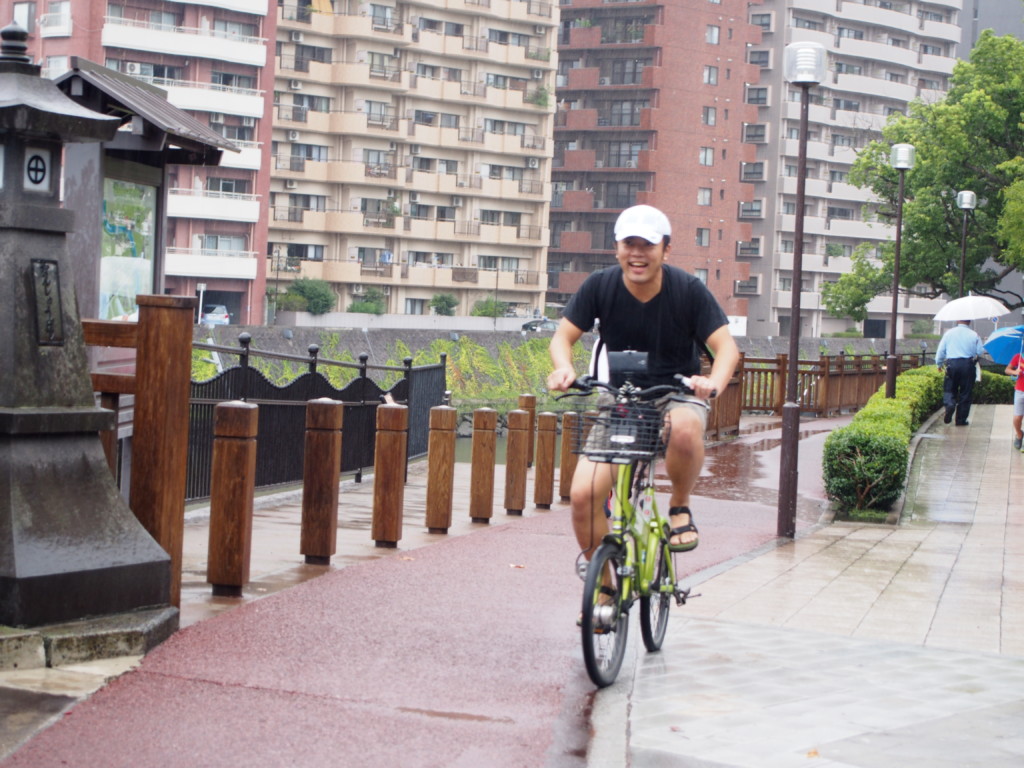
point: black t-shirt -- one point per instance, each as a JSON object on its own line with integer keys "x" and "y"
{"x": 670, "y": 327}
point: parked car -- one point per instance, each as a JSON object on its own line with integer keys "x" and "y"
{"x": 541, "y": 324}
{"x": 215, "y": 314}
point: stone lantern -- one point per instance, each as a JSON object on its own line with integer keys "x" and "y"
{"x": 70, "y": 548}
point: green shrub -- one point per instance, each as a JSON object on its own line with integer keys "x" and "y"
{"x": 320, "y": 299}
{"x": 865, "y": 463}
{"x": 993, "y": 389}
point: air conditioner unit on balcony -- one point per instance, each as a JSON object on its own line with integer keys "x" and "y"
{"x": 392, "y": 146}
{"x": 599, "y": 163}
{"x": 358, "y": 289}
{"x": 296, "y": 36}
{"x": 538, "y": 29}
{"x": 457, "y": 201}
{"x": 386, "y": 290}
{"x": 414, "y": 197}
{"x": 631, "y": 163}
{"x": 538, "y": 74}
{"x": 293, "y": 135}
{"x": 249, "y": 122}
{"x": 603, "y": 81}
{"x": 216, "y": 117}
{"x": 295, "y": 85}
{"x": 133, "y": 68}
{"x": 533, "y": 162}
{"x": 414, "y": 149}
{"x": 290, "y": 184}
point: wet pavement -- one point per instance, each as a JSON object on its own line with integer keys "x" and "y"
{"x": 855, "y": 645}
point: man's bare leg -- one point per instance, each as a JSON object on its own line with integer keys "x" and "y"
{"x": 684, "y": 458}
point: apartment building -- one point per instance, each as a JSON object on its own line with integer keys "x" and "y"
{"x": 881, "y": 55}
{"x": 411, "y": 151}
{"x": 210, "y": 57}
{"x": 651, "y": 110}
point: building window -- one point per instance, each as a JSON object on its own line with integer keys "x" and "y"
{"x": 835, "y": 212}
{"x": 757, "y": 95}
{"x": 806, "y": 23}
{"x": 789, "y": 208}
{"x": 845, "y": 68}
{"x": 848, "y": 105}
{"x": 853, "y": 34}
{"x": 415, "y": 306}
{"x": 709, "y": 116}
{"x": 841, "y": 140}
{"x": 707, "y": 156}
{"x": 837, "y": 176}
{"x": 710, "y": 75}
{"x": 755, "y": 133}
{"x": 762, "y": 20}
{"x": 759, "y": 58}
{"x": 25, "y": 16}
{"x": 712, "y": 34}
{"x": 753, "y": 172}
{"x": 702, "y": 275}
{"x": 752, "y": 210}
{"x": 704, "y": 196}
{"x": 703, "y": 238}
{"x": 931, "y": 50}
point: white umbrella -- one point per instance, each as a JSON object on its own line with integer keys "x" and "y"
{"x": 971, "y": 308}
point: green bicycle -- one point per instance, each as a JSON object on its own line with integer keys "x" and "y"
{"x": 633, "y": 561}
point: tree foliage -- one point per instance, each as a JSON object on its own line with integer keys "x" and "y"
{"x": 373, "y": 302}
{"x": 849, "y": 296}
{"x": 970, "y": 140}
{"x": 444, "y": 304}
{"x": 489, "y": 308}
{"x": 320, "y": 299}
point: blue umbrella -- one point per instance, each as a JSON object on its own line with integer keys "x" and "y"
{"x": 1004, "y": 343}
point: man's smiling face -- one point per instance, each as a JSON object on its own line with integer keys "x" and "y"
{"x": 641, "y": 260}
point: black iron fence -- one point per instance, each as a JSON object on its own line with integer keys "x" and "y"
{"x": 282, "y": 411}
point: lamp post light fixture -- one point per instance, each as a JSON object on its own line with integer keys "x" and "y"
{"x": 804, "y": 66}
{"x": 902, "y": 159}
{"x": 965, "y": 201}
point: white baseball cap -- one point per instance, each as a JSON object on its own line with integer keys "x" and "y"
{"x": 642, "y": 221}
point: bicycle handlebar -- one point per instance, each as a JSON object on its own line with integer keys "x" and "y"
{"x": 587, "y": 384}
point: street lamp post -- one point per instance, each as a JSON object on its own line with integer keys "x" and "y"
{"x": 902, "y": 159}
{"x": 965, "y": 201}
{"x": 804, "y": 66}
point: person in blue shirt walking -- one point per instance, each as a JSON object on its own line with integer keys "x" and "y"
{"x": 959, "y": 351}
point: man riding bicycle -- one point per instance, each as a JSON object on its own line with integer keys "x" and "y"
{"x": 647, "y": 305}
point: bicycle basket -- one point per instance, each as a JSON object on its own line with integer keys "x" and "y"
{"x": 620, "y": 433}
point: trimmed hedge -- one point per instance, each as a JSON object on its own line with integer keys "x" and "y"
{"x": 865, "y": 463}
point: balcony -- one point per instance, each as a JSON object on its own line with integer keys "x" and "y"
{"x": 207, "y": 97}
{"x": 250, "y": 158}
{"x": 199, "y": 262}
{"x": 55, "y": 25}
{"x": 255, "y": 7}
{"x": 183, "y": 41}
{"x": 220, "y": 206}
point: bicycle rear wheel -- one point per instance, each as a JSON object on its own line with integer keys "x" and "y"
{"x": 654, "y": 606}
{"x": 605, "y": 626}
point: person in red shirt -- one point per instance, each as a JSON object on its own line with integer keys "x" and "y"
{"x": 1014, "y": 369}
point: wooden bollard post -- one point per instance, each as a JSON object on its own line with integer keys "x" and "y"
{"x": 544, "y": 475}
{"x": 481, "y": 492}
{"x": 528, "y": 403}
{"x": 232, "y": 485}
{"x": 389, "y": 474}
{"x": 441, "y": 468}
{"x": 570, "y": 429}
{"x": 321, "y": 474}
{"x": 516, "y": 461}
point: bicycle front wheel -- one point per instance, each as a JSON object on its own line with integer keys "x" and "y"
{"x": 605, "y": 625}
{"x": 654, "y": 606}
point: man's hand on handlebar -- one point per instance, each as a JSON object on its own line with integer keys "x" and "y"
{"x": 561, "y": 379}
{"x": 702, "y": 386}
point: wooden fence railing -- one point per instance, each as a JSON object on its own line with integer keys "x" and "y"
{"x": 825, "y": 387}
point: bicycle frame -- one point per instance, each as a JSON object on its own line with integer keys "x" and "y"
{"x": 639, "y": 538}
